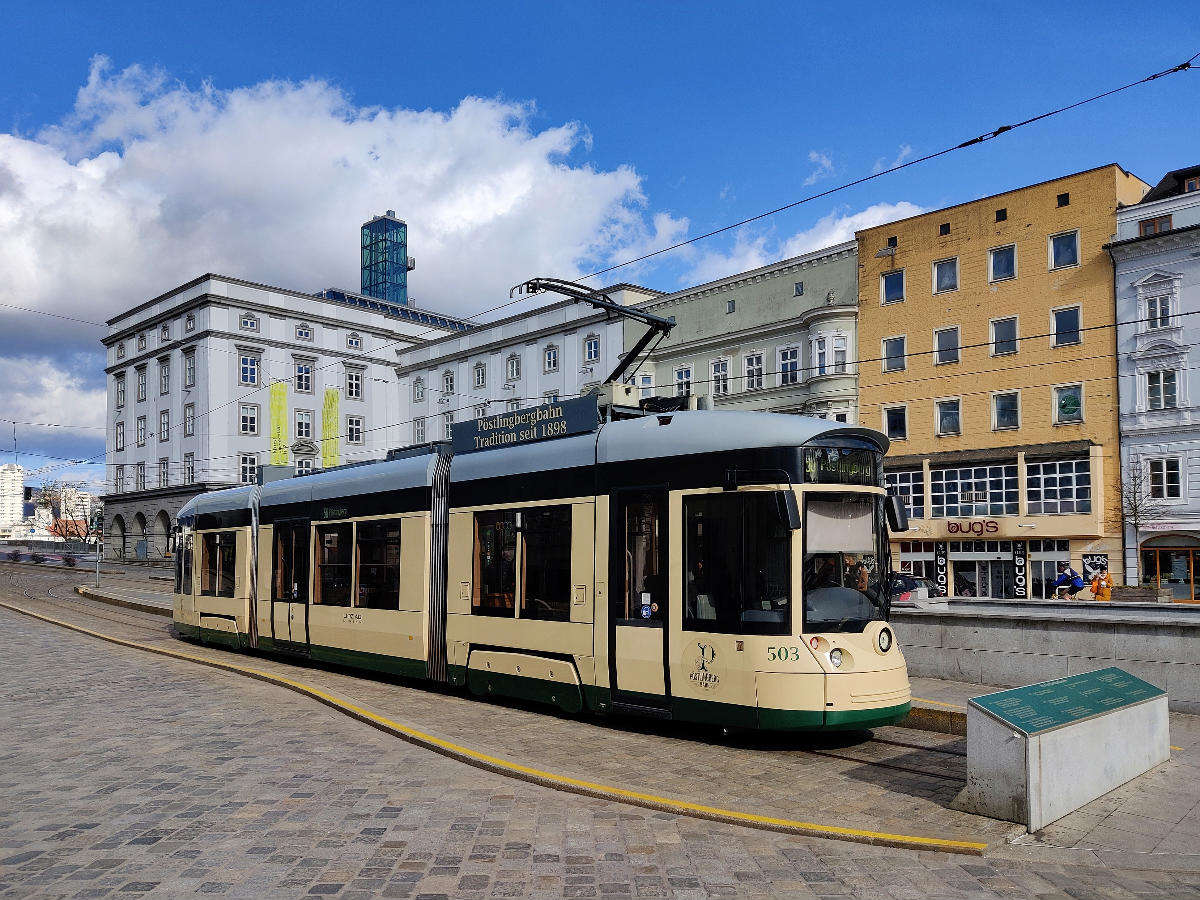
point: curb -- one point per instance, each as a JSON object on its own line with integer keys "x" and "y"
{"x": 91, "y": 594}
{"x": 944, "y": 721}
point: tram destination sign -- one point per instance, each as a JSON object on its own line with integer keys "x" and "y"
{"x": 526, "y": 426}
{"x": 1053, "y": 704}
{"x": 836, "y": 465}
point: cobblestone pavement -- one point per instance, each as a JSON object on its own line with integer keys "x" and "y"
{"x": 125, "y": 774}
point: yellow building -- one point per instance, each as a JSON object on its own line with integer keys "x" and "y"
{"x": 987, "y": 354}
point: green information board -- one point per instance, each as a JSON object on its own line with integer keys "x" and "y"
{"x": 1052, "y": 704}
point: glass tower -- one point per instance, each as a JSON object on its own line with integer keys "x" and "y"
{"x": 385, "y": 259}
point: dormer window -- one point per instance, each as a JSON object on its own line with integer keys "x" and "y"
{"x": 1191, "y": 184}
{"x": 353, "y": 341}
{"x": 249, "y": 322}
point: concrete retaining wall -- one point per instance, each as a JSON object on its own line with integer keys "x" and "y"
{"x": 1007, "y": 649}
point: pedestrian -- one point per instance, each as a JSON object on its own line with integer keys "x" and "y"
{"x": 1068, "y": 580}
{"x": 1102, "y": 586}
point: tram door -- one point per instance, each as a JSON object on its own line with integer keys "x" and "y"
{"x": 638, "y": 613}
{"x": 289, "y": 585}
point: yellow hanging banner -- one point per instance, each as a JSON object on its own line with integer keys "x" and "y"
{"x": 330, "y": 430}
{"x": 279, "y": 423}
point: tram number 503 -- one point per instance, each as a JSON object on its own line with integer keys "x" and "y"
{"x": 779, "y": 654}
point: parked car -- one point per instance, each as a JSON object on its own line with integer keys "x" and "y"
{"x": 910, "y": 588}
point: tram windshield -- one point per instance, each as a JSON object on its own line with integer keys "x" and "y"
{"x": 843, "y": 587}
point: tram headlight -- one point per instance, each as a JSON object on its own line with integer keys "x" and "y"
{"x": 835, "y": 657}
{"x": 885, "y": 640}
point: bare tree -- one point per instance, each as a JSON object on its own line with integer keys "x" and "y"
{"x": 1141, "y": 502}
{"x": 62, "y": 503}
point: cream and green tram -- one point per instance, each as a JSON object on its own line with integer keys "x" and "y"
{"x": 705, "y": 566}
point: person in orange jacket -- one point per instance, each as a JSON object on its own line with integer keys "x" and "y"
{"x": 1102, "y": 586}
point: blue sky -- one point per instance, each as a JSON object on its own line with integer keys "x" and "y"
{"x": 143, "y": 144}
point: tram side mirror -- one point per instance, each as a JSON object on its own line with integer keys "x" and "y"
{"x": 788, "y": 510}
{"x": 897, "y": 515}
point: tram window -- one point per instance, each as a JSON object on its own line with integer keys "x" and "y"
{"x": 644, "y": 585}
{"x": 332, "y": 587}
{"x": 379, "y": 564}
{"x": 187, "y": 565}
{"x": 220, "y": 564}
{"x": 546, "y": 570}
{"x": 842, "y": 585}
{"x": 737, "y": 559}
{"x": 495, "y": 563}
{"x": 290, "y": 575}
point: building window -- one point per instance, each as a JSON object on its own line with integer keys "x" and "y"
{"x": 839, "y": 354}
{"x": 164, "y": 333}
{"x": 949, "y": 418}
{"x": 895, "y": 354}
{"x": 119, "y": 388}
{"x": 353, "y": 341}
{"x": 820, "y": 356}
{"x": 304, "y": 332}
{"x": 447, "y": 383}
{"x": 512, "y": 406}
{"x": 419, "y": 391}
{"x": 1006, "y": 411}
{"x": 447, "y": 424}
{"x": 121, "y": 350}
{"x": 189, "y": 468}
{"x": 550, "y": 359}
{"x": 481, "y": 411}
{"x": 910, "y": 488}
{"x": 248, "y": 419}
{"x": 141, "y": 384}
{"x": 1068, "y": 404}
{"x": 1166, "y": 482}
{"x": 1001, "y": 214}
{"x": 304, "y": 423}
{"x": 1066, "y": 326}
{"x": 302, "y": 378}
{"x": 943, "y": 229}
{"x": 419, "y": 430}
{"x": 1157, "y": 225}
{"x": 892, "y": 286}
{"x": 730, "y": 305}
{"x": 119, "y": 436}
{"x": 720, "y": 377}
{"x": 248, "y": 467}
{"x": 1002, "y": 263}
{"x": 189, "y": 370}
{"x": 683, "y": 381}
{"x": 354, "y": 384}
{"x": 141, "y": 431}
{"x": 1158, "y": 312}
{"x": 139, "y": 477}
{"x": 754, "y": 371}
{"x": 945, "y": 275}
{"x": 988, "y": 490}
{"x": 1161, "y": 390}
{"x": 1191, "y": 184}
{"x": 480, "y": 375}
{"x": 354, "y": 429}
{"x": 789, "y": 365}
{"x": 1064, "y": 199}
{"x": 249, "y": 322}
{"x": 945, "y": 344}
{"x": 304, "y": 466}
{"x": 189, "y": 419}
{"x": 189, "y": 324}
{"x": 248, "y": 369}
{"x": 645, "y": 386}
{"x": 892, "y": 241}
{"x": 895, "y": 422}
{"x": 1064, "y": 250}
{"x": 164, "y": 377}
{"x": 119, "y": 479}
{"x": 141, "y": 341}
{"x": 1062, "y": 486}
{"x": 163, "y": 467}
{"x": 164, "y": 425}
{"x": 1004, "y": 336}
{"x": 798, "y": 289}
{"x": 512, "y": 368}
{"x": 591, "y": 348}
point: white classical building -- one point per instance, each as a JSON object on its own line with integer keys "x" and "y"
{"x": 12, "y": 494}
{"x": 219, "y": 376}
{"x": 1156, "y": 254}
{"x": 554, "y": 352}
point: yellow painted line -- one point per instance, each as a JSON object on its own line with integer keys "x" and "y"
{"x": 938, "y": 703}
{"x": 1173, "y": 747}
{"x": 539, "y": 776}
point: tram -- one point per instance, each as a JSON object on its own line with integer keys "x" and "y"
{"x": 705, "y": 566}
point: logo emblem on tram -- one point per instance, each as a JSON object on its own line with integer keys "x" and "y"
{"x": 702, "y": 675}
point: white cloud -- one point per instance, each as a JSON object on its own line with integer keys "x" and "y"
{"x": 824, "y": 169}
{"x": 841, "y": 224}
{"x": 902, "y": 154}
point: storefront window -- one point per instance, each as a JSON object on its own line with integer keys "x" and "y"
{"x": 974, "y": 491}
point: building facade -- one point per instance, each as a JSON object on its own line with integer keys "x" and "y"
{"x": 554, "y": 352}
{"x": 987, "y": 355}
{"x": 12, "y": 495}
{"x": 219, "y": 376}
{"x": 1156, "y": 255}
{"x": 385, "y": 259}
{"x": 781, "y": 338}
